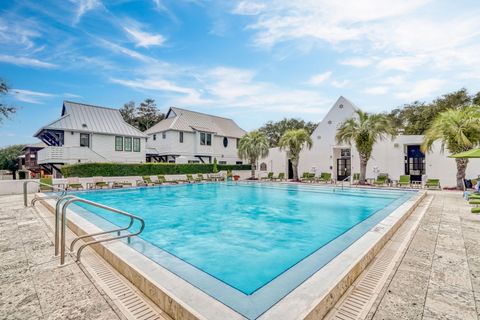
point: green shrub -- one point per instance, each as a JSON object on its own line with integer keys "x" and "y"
{"x": 143, "y": 169}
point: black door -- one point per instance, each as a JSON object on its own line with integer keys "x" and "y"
{"x": 290, "y": 169}
{"x": 343, "y": 168}
{"x": 415, "y": 164}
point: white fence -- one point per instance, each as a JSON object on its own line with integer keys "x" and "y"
{"x": 9, "y": 187}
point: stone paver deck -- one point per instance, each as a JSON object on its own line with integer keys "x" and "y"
{"x": 439, "y": 276}
{"x": 32, "y": 285}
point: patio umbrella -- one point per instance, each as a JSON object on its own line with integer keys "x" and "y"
{"x": 474, "y": 153}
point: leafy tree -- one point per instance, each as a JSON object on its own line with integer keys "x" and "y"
{"x": 253, "y": 146}
{"x": 5, "y": 110}
{"x": 148, "y": 114}
{"x": 364, "y": 130}
{"x": 294, "y": 141}
{"x": 275, "y": 130}
{"x": 9, "y": 158}
{"x": 129, "y": 113}
{"x": 142, "y": 117}
{"x": 416, "y": 117}
{"x": 458, "y": 130}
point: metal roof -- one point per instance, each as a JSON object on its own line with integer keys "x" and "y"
{"x": 190, "y": 121}
{"x": 90, "y": 118}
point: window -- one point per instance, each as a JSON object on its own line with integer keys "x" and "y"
{"x": 128, "y": 144}
{"x": 225, "y": 142}
{"x": 205, "y": 139}
{"x": 237, "y": 142}
{"x": 181, "y": 136}
{"x": 118, "y": 143}
{"x": 84, "y": 140}
{"x": 263, "y": 166}
{"x": 154, "y": 137}
{"x": 193, "y": 161}
{"x": 164, "y": 135}
{"x": 136, "y": 144}
{"x": 222, "y": 162}
{"x": 239, "y": 162}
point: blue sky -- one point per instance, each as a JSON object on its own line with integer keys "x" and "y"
{"x": 252, "y": 61}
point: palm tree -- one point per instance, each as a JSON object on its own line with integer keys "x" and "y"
{"x": 458, "y": 130}
{"x": 294, "y": 141}
{"x": 364, "y": 130}
{"x": 252, "y": 146}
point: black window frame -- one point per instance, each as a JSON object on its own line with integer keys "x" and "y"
{"x": 135, "y": 145}
{"x": 154, "y": 137}
{"x": 82, "y": 135}
{"x": 116, "y": 146}
{"x": 180, "y": 136}
{"x": 125, "y": 144}
{"x": 225, "y": 142}
{"x": 164, "y": 135}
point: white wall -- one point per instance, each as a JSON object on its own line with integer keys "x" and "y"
{"x": 191, "y": 146}
{"x": 104, "y": 145}
{"x": 388, "y": 156}
{"x": 8, "y": 187}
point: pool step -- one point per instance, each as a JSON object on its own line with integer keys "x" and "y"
{"x": 360, "y": 297}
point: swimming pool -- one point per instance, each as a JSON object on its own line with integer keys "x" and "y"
{"x": 246, "y": 245}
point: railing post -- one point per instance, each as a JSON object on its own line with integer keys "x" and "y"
{"x": 57, "y": 222}
{"x": 25, "y": 200}
{"x": 63, "y": 231}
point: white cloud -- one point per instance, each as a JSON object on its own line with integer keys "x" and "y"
{"x": 421, "y": 89}
{"x": 29, "y": 96}
{"x": 25, "y": 61}
{"x": 144, "y": 39}
{"x": 340, "y": 83}
{"x": 379, "y": 90}
{"x": 401, "y": 63}
{"x": 117, "y": 49}
{"x": 71, "y": 95}
{"x": 357, "y": 62}
{"x": 320, "y": 78}
{"x": 153, "y": 84}
{"x": 83, "y": 7}
{"x": 248, "y": 8}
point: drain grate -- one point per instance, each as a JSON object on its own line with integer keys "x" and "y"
{"x": 356, "y": 303}
{"x": 132, "y": 303}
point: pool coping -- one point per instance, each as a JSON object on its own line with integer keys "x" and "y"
{"x": 311, "y": 299}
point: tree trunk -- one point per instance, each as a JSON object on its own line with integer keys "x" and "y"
{"x": 461, "y": 169}
{"x": 252, "y": 163}
{"x": 295, "y": 169}
{"x": 14, "y": 174}
{"x": 363, "y": 169}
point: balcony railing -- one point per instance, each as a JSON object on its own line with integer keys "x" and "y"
{"x": 68, "y": 155}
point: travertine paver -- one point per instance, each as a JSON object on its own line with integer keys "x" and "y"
{"x": 439, "y": 276}
{"x": 32, "y": 286}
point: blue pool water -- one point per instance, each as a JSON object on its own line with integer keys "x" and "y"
{"x": 247, "y": 235}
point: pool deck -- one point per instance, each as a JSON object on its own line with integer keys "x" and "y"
{"x": 438, "y": 278}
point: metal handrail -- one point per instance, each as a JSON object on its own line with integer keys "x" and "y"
{"x": 57, "y": 221}
{"x": 98, "y": 205}
{"x": 347, "y": 178}
{"x": 25, "y": 192}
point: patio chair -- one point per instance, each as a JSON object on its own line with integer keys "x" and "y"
{"x": 280, "y": 177}
{"x": 324, "y": 177}
{"x": 199, "y": 178}
{"x": 74, "y": 183}
{"x": 433, "y": 184}
{"x": 190, "y": 179}
{"x": 382, "y": 179}
{"x": 356, "y": 178}
{"x": 155, "y": 180}
{"x": 121, "y": 184}
{"x": 99, "y": 182}
{"x": 269, "y": 176}
{"x": 404, "y": 181}
{"x": 307, "y": 177}
{"x": 204, "y": 178}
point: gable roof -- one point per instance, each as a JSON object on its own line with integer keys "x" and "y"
{"x": 89, "y": 118}
{"x": 191, "y": 121}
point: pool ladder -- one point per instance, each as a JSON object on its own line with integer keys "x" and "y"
{"x": 63, "y": 201}
{"x": 342, "y": 181}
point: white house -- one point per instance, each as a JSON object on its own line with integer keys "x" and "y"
{"x": 87, "y": 133}
{"x": 400, "y": 156}
{"x": 194, "y": 137}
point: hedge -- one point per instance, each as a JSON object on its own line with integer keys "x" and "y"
{"x": 144, "y": 169}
